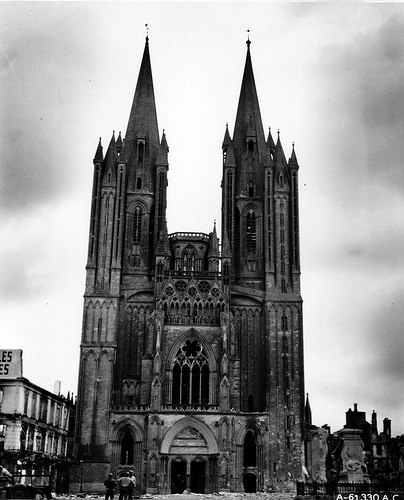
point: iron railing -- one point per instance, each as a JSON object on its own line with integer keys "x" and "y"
{"x": 359, "y": 491}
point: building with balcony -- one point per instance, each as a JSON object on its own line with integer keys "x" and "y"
{"x": 34, "y": 424}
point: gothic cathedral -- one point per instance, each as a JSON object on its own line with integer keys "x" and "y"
{"x": 191, "y": 365}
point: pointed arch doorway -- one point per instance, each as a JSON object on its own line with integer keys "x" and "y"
{"x": 178, "y": 475}
{"x": 198, "y": 475}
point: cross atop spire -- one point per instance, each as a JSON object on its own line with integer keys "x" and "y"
{"x": 248, "y": 42}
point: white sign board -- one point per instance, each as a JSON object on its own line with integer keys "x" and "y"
{"x": 10, "y": 363}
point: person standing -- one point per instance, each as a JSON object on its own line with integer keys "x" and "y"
{"x": 132, "y": 490}
{"x": 125, "y": 484}
{"x": 110, "y": 485}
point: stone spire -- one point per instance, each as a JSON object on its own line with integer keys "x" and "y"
{"x": 248, "y": 118}
{"x": 142, "y": 121}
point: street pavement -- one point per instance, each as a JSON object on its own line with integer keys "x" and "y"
{"x": 196, "y": 496}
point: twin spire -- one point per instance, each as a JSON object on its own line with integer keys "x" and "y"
{"x": 142, "y": 122}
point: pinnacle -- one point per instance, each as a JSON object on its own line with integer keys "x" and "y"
{"x": 99, "y": 157}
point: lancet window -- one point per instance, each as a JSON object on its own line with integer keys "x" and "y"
{"x": 140, "y": 152}
{"x": 251, "y": 232}
{"x": 137, "y": 225}
{"x": 229, "y": 202}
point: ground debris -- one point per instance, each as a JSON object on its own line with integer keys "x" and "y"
{"x": 192, "y": 496}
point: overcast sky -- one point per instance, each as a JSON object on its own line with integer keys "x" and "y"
{"x": 329, "y": 76}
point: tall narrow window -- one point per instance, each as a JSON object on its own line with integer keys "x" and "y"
{"x": 160, "y": 271}
{"x": 140, "y": 152}
{"x": 226, "y": 273}
{"x": 189, "y": 259}
{"x": 250, "y": 450}
{"x": 137, "y": 225}
{"x": 160, "y": 201}
{"x": 127, "y": 449}
{"x": 284, "y": 322}
{"x": 251, "y": 232}
{"x": 118, "y": 221}
{"x": 269, "y": 206}
{"x": 237, "y": 231}
{"x": 229, "y": 206}
{"x": 191, "y": 375}
{"x": 295, "y": 222}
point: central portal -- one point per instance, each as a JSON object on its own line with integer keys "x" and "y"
{"x": 191, "y": 455}
{"x": 198, "y": 471}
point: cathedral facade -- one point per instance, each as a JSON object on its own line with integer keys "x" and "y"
{"x": 191, "y": 358}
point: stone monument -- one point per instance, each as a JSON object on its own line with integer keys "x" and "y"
{"x": 352, "y": 456}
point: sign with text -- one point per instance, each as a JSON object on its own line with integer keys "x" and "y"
{"x": 10, "y": 363}
{"x": 369, "y": 496}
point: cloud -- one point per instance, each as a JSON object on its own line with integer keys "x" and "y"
{"x": 44, "y": 77}
{"x": 365, "y": 101}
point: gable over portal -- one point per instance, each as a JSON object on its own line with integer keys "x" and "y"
{"x": 193, "y": 429}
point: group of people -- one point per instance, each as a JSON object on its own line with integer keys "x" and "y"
{"x": 126, "y": 484}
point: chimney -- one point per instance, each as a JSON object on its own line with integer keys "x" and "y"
{"x": 57, "y": 386}
{"x": 374, "y": 420}
{"x": 387, "y": 426}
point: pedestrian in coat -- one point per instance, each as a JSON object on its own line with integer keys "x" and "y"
{"x": 110, "y": 485}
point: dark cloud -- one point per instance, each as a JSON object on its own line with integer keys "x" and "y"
{"x": 45, "y": 70}
{"x": 385, "y": 334}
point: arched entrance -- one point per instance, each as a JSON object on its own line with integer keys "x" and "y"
{"x": 250, "y": 483}
{"x": 198, "y": 472}
{"x": 178, "y": 475}
{"x": 250, "y": 450}
{"x": 249, "y": 475}
{"x": 191, "y": 450}
{"x": 127, "y": 449}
